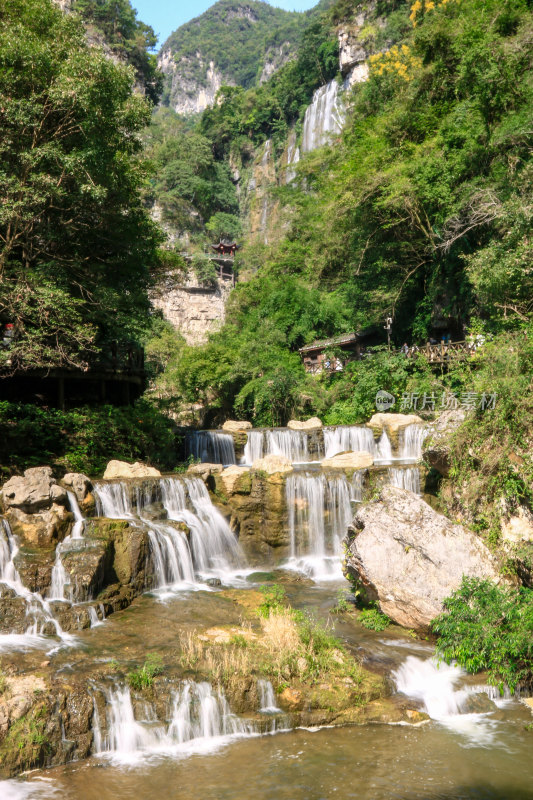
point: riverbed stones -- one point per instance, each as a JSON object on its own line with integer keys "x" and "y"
{"x": 312, "y": 424}
{"x": 408, "y": 558}
{"x": 35, "y": 491}
{"x": 273, "y": 464}
{"x": 117, "y": 470}
{"x": 392, "y": 424}
{"x": 236, "y": 426}
{"x": 349, "y": 460}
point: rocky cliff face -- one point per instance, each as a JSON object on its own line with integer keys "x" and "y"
{"x": 232, "y": 44}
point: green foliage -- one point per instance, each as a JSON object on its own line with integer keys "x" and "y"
{"x": 143, "y": 677}
{"x": 275, "y": 599}
{"x": 373, "y": 619}
{"x": 235, "y": 43}
{"x": 342, "y": 603}
{"x": 76, "y": 239}
{"x": 487, "y": 627}
{"x": 127, "y": 37}
{"x": 84, "y": 439}
{"x": 224, "y": 226}
{"x": 205, "y": 270}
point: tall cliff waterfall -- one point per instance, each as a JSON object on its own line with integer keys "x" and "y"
{"x": 323, "y": 118}
{"x": 206, "y": 548}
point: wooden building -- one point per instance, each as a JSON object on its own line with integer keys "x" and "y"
{"x": 331, "y": 355}
{"x": 225, "y": 248}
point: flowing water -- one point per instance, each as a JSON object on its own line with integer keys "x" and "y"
{"x": 406, "y": 478}
{"x": 210, "y": 551}
{"x": 324, "y": 117}
{"x": 294, "y": 445}
{"x": 356, "y": 438}
{"x": 213, "y": 447}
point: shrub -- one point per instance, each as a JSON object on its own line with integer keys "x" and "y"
{"x": 373, "y": 619}
{"x": 488, "y": 627}
{"x": 143, "y": 677}
{"x": 275, "y": 599}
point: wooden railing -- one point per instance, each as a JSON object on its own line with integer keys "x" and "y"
{"x": 443, "y": 352}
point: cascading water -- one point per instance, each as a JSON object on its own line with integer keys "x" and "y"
{"x": 410, "y": 442}
{"x": 407, "y": 478}
{"x": 356, "y": 438}
{"x": 433, "y": 684}
{"x": 210, "y": 549}
{"x": 60, "y": 580}
{"x": 39, "y": 614}
{"x": 213, "y": 447}
{"x": 200, "y": 719}
{"x": 320, "y": 511}
{"x": 267, "y": 698}
{"x": 294, "y": 445}
{"x": 253, "y": 449}
{"x": 324, "y": 117}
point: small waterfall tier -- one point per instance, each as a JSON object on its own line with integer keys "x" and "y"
{"x": 200, "y": 719}
{"x": 324, "y": 117}
{"x": 212, "y": 447}
{"x": 203, "y": 547}
{"x": 267, "y": 698}
{"x": 356, "y": 438}
{"x": 434, "y": 686}
{"x": 294, "y": 445}
{"x": 406, "y": 478}
{"x": 40, "y": 617}
{"x": 410, "y": 443}
{"x": 320, "y": 510}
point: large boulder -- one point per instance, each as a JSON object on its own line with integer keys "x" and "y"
{"x": 392, "y": 424}
{"x": 236, "y": 426}
{"x": 118, "y": 470}
{"x": 231, "y": 476}
{"x": 350, "y": 460}
{"x": 409, "y": 558}
{"x": 273, "y": 465}
{"x": 35, "y": 491}
{"x": 42, "y": 528}
{"x": 436, "y": 448}
{"x": 312, "y": 424}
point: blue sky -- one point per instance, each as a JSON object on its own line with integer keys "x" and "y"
{"x": 166, "y": 15}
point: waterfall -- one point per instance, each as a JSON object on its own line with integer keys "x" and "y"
{"x": 213, "y": 447}
{"x": 291, "y": 444}
{"x": 200, "y": 717}
{"x": 253, "y": 449}
{"x": 294, "y": 445}
{"x": 39, "y": 613}
{"x": 208, "y": 549}
{"x": 433, "y": 684}
{"x": 411, "y": 440}
{"x": 267, "y": 699}
{"x": 293, "y": 157}
{"x": 320, "y": 511}
{"x": 324, "y": 117}
{"x": 356, "y": 438}
{"x": 408, "y": 478}
{"x": 60, "y": 580}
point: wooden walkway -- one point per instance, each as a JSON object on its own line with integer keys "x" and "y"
{"x": 443, "y": 353}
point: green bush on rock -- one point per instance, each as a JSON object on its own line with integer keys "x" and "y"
{"x": 488, "y": 627}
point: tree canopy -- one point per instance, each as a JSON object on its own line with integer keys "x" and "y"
{"x": 76, "y": 240}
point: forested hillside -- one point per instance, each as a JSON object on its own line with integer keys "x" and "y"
{"x": 421, "y": 212}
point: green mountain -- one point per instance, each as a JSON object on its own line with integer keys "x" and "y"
{"x": 240, "y": 43}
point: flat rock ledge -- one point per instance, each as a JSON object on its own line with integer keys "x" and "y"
{"x": 117, "y": 470}
{"x": 409, "y": 558}
{"x": 236, "y": 426}
{"x": 349, "y": 460}
{"x": 273, "y": 464}
{"x": 312, "y": 424}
